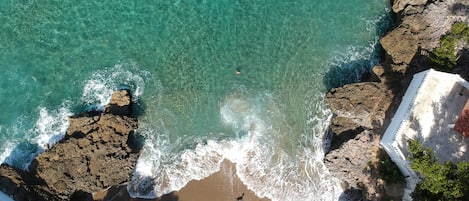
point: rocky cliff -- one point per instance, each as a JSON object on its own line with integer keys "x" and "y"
{"x": 363, "y": 110}
{"x": 421, "y": 23}
{"x": 97, "y": 152}
{"x": 359, "y": 114}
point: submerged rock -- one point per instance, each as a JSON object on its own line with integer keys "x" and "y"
{"x": 96, "y": 153}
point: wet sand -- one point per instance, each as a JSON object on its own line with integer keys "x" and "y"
{"x": 223, "y": 185}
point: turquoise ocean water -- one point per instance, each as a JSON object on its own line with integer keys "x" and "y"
{"x": 179, "y": 58}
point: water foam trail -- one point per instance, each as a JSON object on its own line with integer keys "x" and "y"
{"x": 7, "y": 148}
{"x": 301, "y": 176}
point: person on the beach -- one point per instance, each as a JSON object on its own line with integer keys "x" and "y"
{"x": 240, "y": 198}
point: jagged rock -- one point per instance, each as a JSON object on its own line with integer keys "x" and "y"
{"x": 97, "y": 158}
{"x": 400, "y": 46}
{"x": 12, "y": 182}
{"x": 400, "y": 5}
{"x": 20, "y": 185}
{"x": 120, "y": 103}
{"x": 351, "y": 163}
{"x": 351, "y": 194}
{"x": 343, "y": 129}
{"x": 422, "y": 25}
{"x": 364, "y": 103}
{"x": 96, "y": 153}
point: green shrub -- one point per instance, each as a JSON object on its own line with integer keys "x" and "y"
{"x": 446, "y": 181}
{"x": 444, "y": 57}
{"x": 388, "y": 170}
{"x": 460, "y": 29}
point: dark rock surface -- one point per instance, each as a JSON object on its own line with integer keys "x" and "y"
{"x": 95, "y": 154}
{"x": 20, "y": 185}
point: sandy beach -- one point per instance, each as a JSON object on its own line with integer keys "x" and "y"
{"x": 223, "y": 185}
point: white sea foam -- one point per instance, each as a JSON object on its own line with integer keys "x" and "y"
{"x": 261, "y": 163}
{"x": 51, "y": 126}
{"x": 6, "y": 149}
{"x": 99, "y": 88}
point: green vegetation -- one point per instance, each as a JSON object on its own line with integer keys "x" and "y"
{"x": 446, "y": 181}
{"x": 444, "y": 57}
{"x": 388, "y": 170}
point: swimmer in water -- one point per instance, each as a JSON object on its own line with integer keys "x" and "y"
{"x": 238, "y": 71}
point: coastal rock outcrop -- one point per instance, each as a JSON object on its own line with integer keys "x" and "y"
{"x": 362, "y": 103}
{"x": 97, "y": 152}
{"x": 358, "y": 123}
{"x": 359, "y": 109}
{"x": 400, "y": 5}
{"x": 352, "y": 164}
{"x": 421, "y": 25}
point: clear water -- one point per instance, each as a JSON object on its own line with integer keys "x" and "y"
{"x": 179, "y": 58}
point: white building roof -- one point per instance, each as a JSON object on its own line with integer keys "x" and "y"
{"x": 428, "y": 111}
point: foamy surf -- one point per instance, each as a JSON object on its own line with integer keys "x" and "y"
{"x": 51, "y": 126}
{"x": 51, "y": 123}
{"x": 262, "y": 164}
{"x": 98, "y": 89}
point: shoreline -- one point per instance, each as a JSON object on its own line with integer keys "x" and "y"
{"x": 221, "y": 185}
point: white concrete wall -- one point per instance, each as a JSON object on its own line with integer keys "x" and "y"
{"x": 416, "y": 110}
{"x": 389, "y": 142}
{"x": 402, "y": 114}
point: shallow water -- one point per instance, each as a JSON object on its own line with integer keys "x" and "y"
{"x": 180, "y": 60}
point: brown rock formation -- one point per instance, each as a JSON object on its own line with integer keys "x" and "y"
{"x": 20, "y": 185}
{"x": 120, "y": 103}
{"x": 363, "y": 103}
{"x": 362, "y": 110}
{"x": 359, "y": 109}
{"x": 421, "y": 25}
{"x": 96, "y": 153}
{"x": 351, "y": 163}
